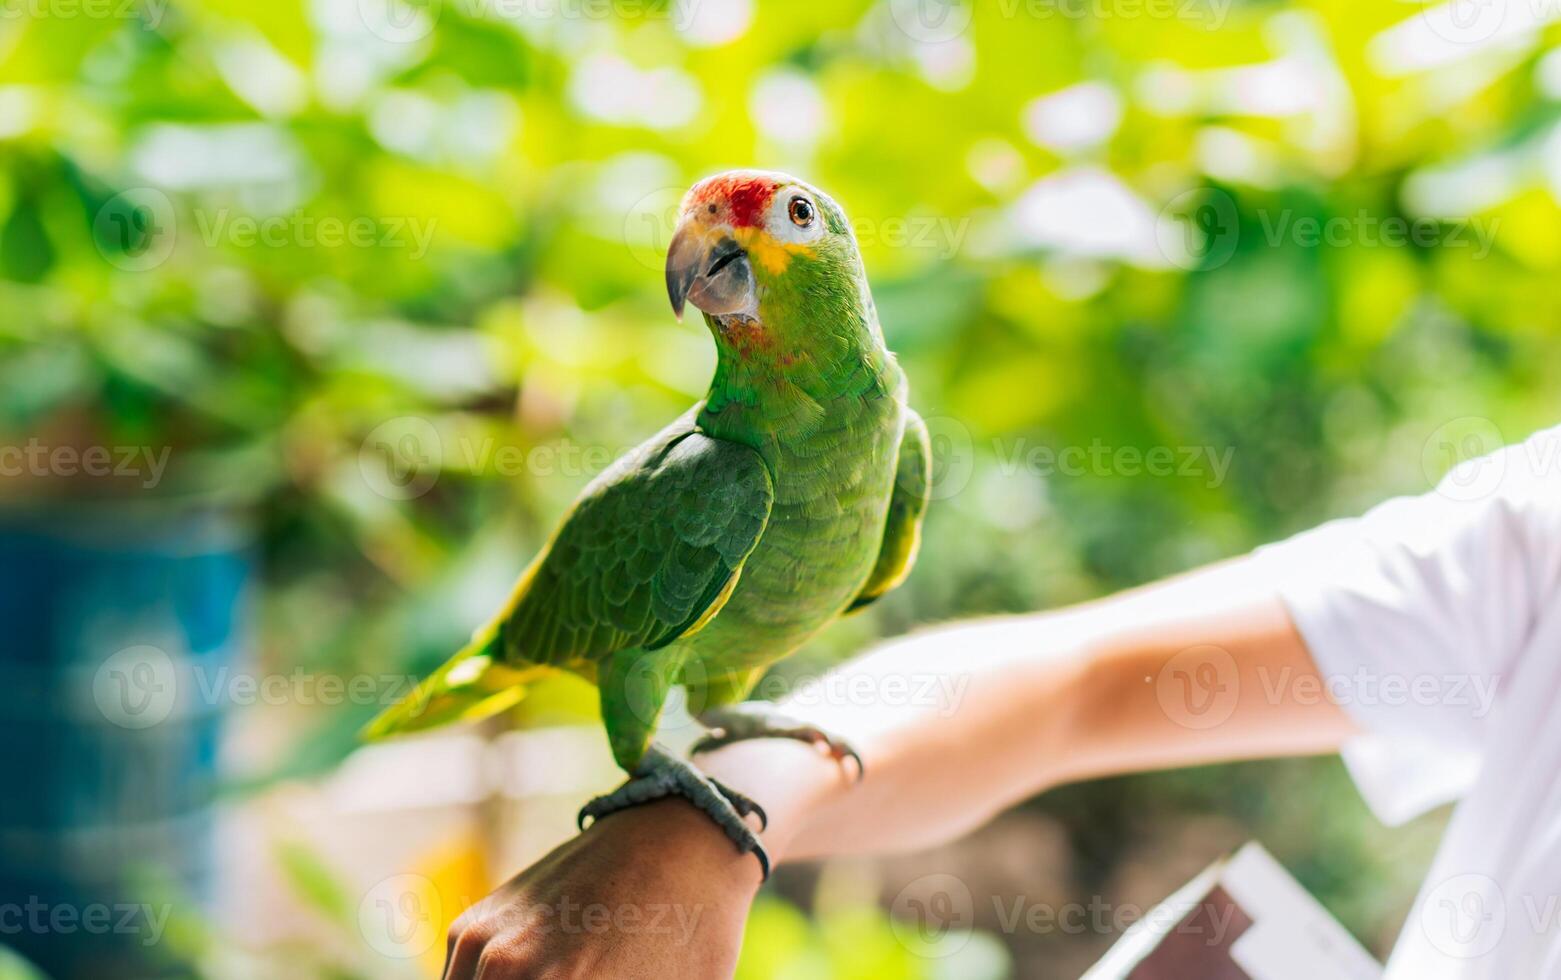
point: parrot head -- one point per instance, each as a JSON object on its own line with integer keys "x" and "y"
{"x": 774, "y": 266}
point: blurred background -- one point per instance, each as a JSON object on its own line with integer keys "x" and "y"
{"x": 315, "y": 314}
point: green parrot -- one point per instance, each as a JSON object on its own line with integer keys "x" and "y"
{"x": 791, "y": 495}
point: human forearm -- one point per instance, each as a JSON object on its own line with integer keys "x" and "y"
{"x": 932, "y": 716}
{"x": 958, "y": 722}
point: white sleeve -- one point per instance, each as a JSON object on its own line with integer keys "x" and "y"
{"x": 1416, "y": 611}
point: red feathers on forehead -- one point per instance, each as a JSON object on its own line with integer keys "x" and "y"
{"x": 748, "y": 197}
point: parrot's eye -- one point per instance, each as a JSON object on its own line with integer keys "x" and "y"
{"x": 801, "y": 212}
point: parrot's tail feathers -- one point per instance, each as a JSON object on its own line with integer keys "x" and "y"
{"x": 472, "y": 685}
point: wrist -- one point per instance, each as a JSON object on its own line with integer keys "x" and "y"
{"x": 790, "y": 780}
{"x": 673, "y": 826}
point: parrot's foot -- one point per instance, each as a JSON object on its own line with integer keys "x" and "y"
{"x": 660, "y": 775}
{"x": 760, "y": 719}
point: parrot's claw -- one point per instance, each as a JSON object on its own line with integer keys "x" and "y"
{"x": 660, "y": 775}
{"x": 757, "y": 719}
{"x": 744, "y": 805}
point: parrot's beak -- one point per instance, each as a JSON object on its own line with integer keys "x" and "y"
{"x": 707, "y": 268}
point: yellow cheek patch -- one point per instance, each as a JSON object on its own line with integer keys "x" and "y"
{"x": 764, "y": 249}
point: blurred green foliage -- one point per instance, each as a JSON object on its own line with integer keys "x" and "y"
{"x": 259, "y": 234}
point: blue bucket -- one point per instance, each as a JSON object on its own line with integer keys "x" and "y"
{"x": 119, "y": 625}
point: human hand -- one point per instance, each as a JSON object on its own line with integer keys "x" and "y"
{"x": 654, "y": 891}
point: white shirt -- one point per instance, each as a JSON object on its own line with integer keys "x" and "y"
{"x": 1436, "y": 623}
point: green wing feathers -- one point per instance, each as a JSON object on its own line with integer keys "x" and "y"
{"x": 650, "y": 552}
{"x": 902, "y": 531}
{"x": 471, "y": 685}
